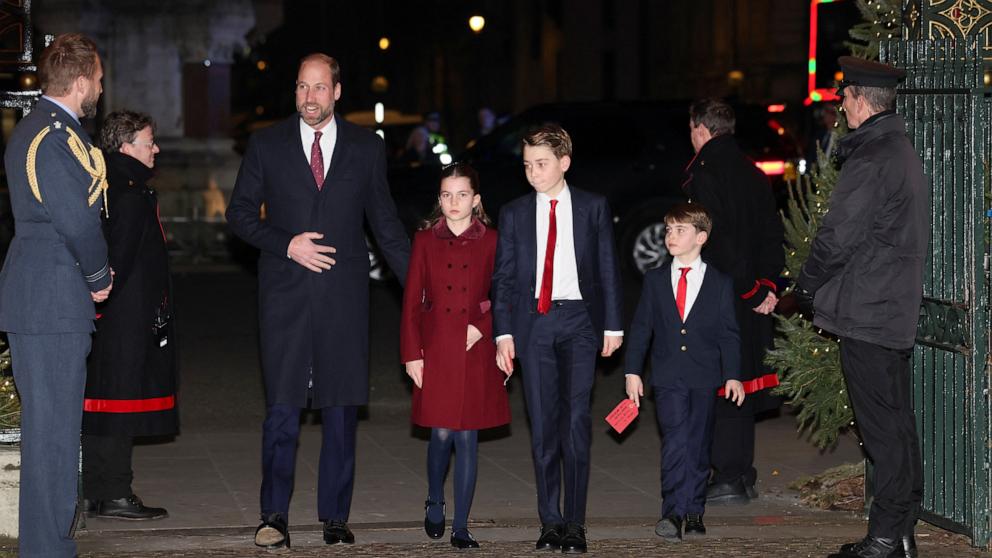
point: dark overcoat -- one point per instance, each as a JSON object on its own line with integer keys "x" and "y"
{"x": 314, "y": 326}
{"x": 447, "y": 288}
{"x": 746, "y": 242}
{"x": 866, "y": 263}
{"x": 131, "y": 370}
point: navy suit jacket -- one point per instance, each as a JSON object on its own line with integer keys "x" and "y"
{"x": 514, "y": 295}
{"x": 703, "y": 352}
{"x": 58, "y": 255}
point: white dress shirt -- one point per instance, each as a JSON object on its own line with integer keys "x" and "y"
{"x": 565, "y": 279}
{"x": 327, "y": 141}
{"x": 693, "y": 281}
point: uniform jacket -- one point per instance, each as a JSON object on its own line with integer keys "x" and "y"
{"x": 131, "y": 377}
{"x": 702, "y": 352}
{"x": 58, "y": 255}
{"x": 315, "y": 321}
{"x": 514, "y": 296}
{"x": 447, "y": 288}
{"x": 746, "y": 242}
{"x": 865, "y": 266}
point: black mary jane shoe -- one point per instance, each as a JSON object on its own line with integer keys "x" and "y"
{"x": 434, "y": 530}
{"x": 273, "y": 532}
{"x": 463, "y": 540}
{"x": 337, "y": 532}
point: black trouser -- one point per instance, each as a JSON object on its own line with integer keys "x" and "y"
{"x": 878, "y": 382}
{"x": 732, "y": 452}
{"x": 107, "y": 470}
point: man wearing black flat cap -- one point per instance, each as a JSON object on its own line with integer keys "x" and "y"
{"x": 864, "y": 282}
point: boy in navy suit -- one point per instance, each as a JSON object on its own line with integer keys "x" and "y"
{"x": 556, "y": 304}
{"x": 688, "y": 308}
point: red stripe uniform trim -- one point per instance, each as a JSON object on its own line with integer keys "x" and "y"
{"x": 129, "y": 405}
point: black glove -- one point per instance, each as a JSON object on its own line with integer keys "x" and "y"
{"x": 804, "y": 299}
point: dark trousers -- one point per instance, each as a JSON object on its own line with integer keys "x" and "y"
{"x": 732, "y": 454}
{"x": 107, "y": 470}
{"x": 879, "y": 384}
{"x": 50, "y": 372}
{"x": 336, "y": 477}
{"x": 559, "y": 364}
{"x": 686, "y": 420}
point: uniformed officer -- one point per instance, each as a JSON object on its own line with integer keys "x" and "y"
{"x": 865, "y": 275}
{"x": 55, "y": 270}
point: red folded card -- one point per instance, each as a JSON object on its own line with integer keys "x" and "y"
{"x": 757, "y": 384}
{"x": 622, "y": 415}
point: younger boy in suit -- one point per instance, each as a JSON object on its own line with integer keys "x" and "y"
{"x": 556, "y": 304}
{"x": 688, "y": 308}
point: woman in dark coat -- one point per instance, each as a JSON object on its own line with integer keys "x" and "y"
{"x": 447, "y": 347}
{"x": 131, "y": 377}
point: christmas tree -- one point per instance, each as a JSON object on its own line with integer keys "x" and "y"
{"x": 808, "y": 359}
{"x": 10, "y": 408}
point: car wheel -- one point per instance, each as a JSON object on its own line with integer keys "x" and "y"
{"x": 644, "y": 241}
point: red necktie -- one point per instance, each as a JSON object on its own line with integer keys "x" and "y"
{"x": 317, "y": 160}
{"x": 544, "y": 301}
{"x": 680, "y": 294}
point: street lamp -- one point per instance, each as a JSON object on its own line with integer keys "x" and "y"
{"x": 476, "y": 23}
{"x": 384, "y": 43}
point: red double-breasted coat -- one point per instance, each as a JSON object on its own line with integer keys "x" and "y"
{"x": 447, "y": 288}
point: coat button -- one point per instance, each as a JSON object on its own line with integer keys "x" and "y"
{"x": 464, "y": 266}
{"x": 450, "y": 243}
{"x": 683, "y": 348}
{"x": 449, "y": 266}
{"x": 463, "y": 310}
{"x": 464, "y": 289}
{"x": 449, "y": 310}
{"x": 449, "y": 287}
{"x": 683, "y": 332}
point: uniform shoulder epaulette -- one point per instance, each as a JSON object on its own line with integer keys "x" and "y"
{"x": 89, "y": 157}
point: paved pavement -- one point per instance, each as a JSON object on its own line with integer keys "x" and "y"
{"x": 208, "y": 477}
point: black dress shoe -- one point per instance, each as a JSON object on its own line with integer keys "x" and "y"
{"x": 337, "y": 532}
{"x": 871, "y": 547}
{"x": 463, "y": 540}
{"x": 574, "y": 539}
{"x": 273, "y": 532}
{"x": 669, "y": 528}
{"x": 727, "y": 493}
{"x": 694, "y": 525}
{"x": 433, "y": 530}
{"x": 550, "y": 538}
{"x": 129, "y": 508}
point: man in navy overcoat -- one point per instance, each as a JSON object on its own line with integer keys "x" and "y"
{"x": 318, "y": 178}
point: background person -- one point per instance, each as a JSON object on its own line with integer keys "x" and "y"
{"x": 131, "y": 375}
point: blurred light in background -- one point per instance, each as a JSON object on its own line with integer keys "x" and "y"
{"x": 384, "y": 43}
{"x": 380, "y": 113}
{"x": 476, "y": 23}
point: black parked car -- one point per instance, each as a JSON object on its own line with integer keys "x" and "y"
{"x": 632, "y": 153}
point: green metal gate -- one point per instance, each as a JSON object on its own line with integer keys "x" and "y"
{"x": 947, "y": 111}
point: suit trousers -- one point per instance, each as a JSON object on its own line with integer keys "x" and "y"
{"x": 50, "y": 373}
{"x": 336, "y": 477}
{"x": 880, "y": 388}
{"x": 559, "y": 364}
{"x": 107, "y": 472}
{"x": 686, "y": 419}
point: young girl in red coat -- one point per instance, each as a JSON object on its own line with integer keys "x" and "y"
{"x": 446, "y": 344}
